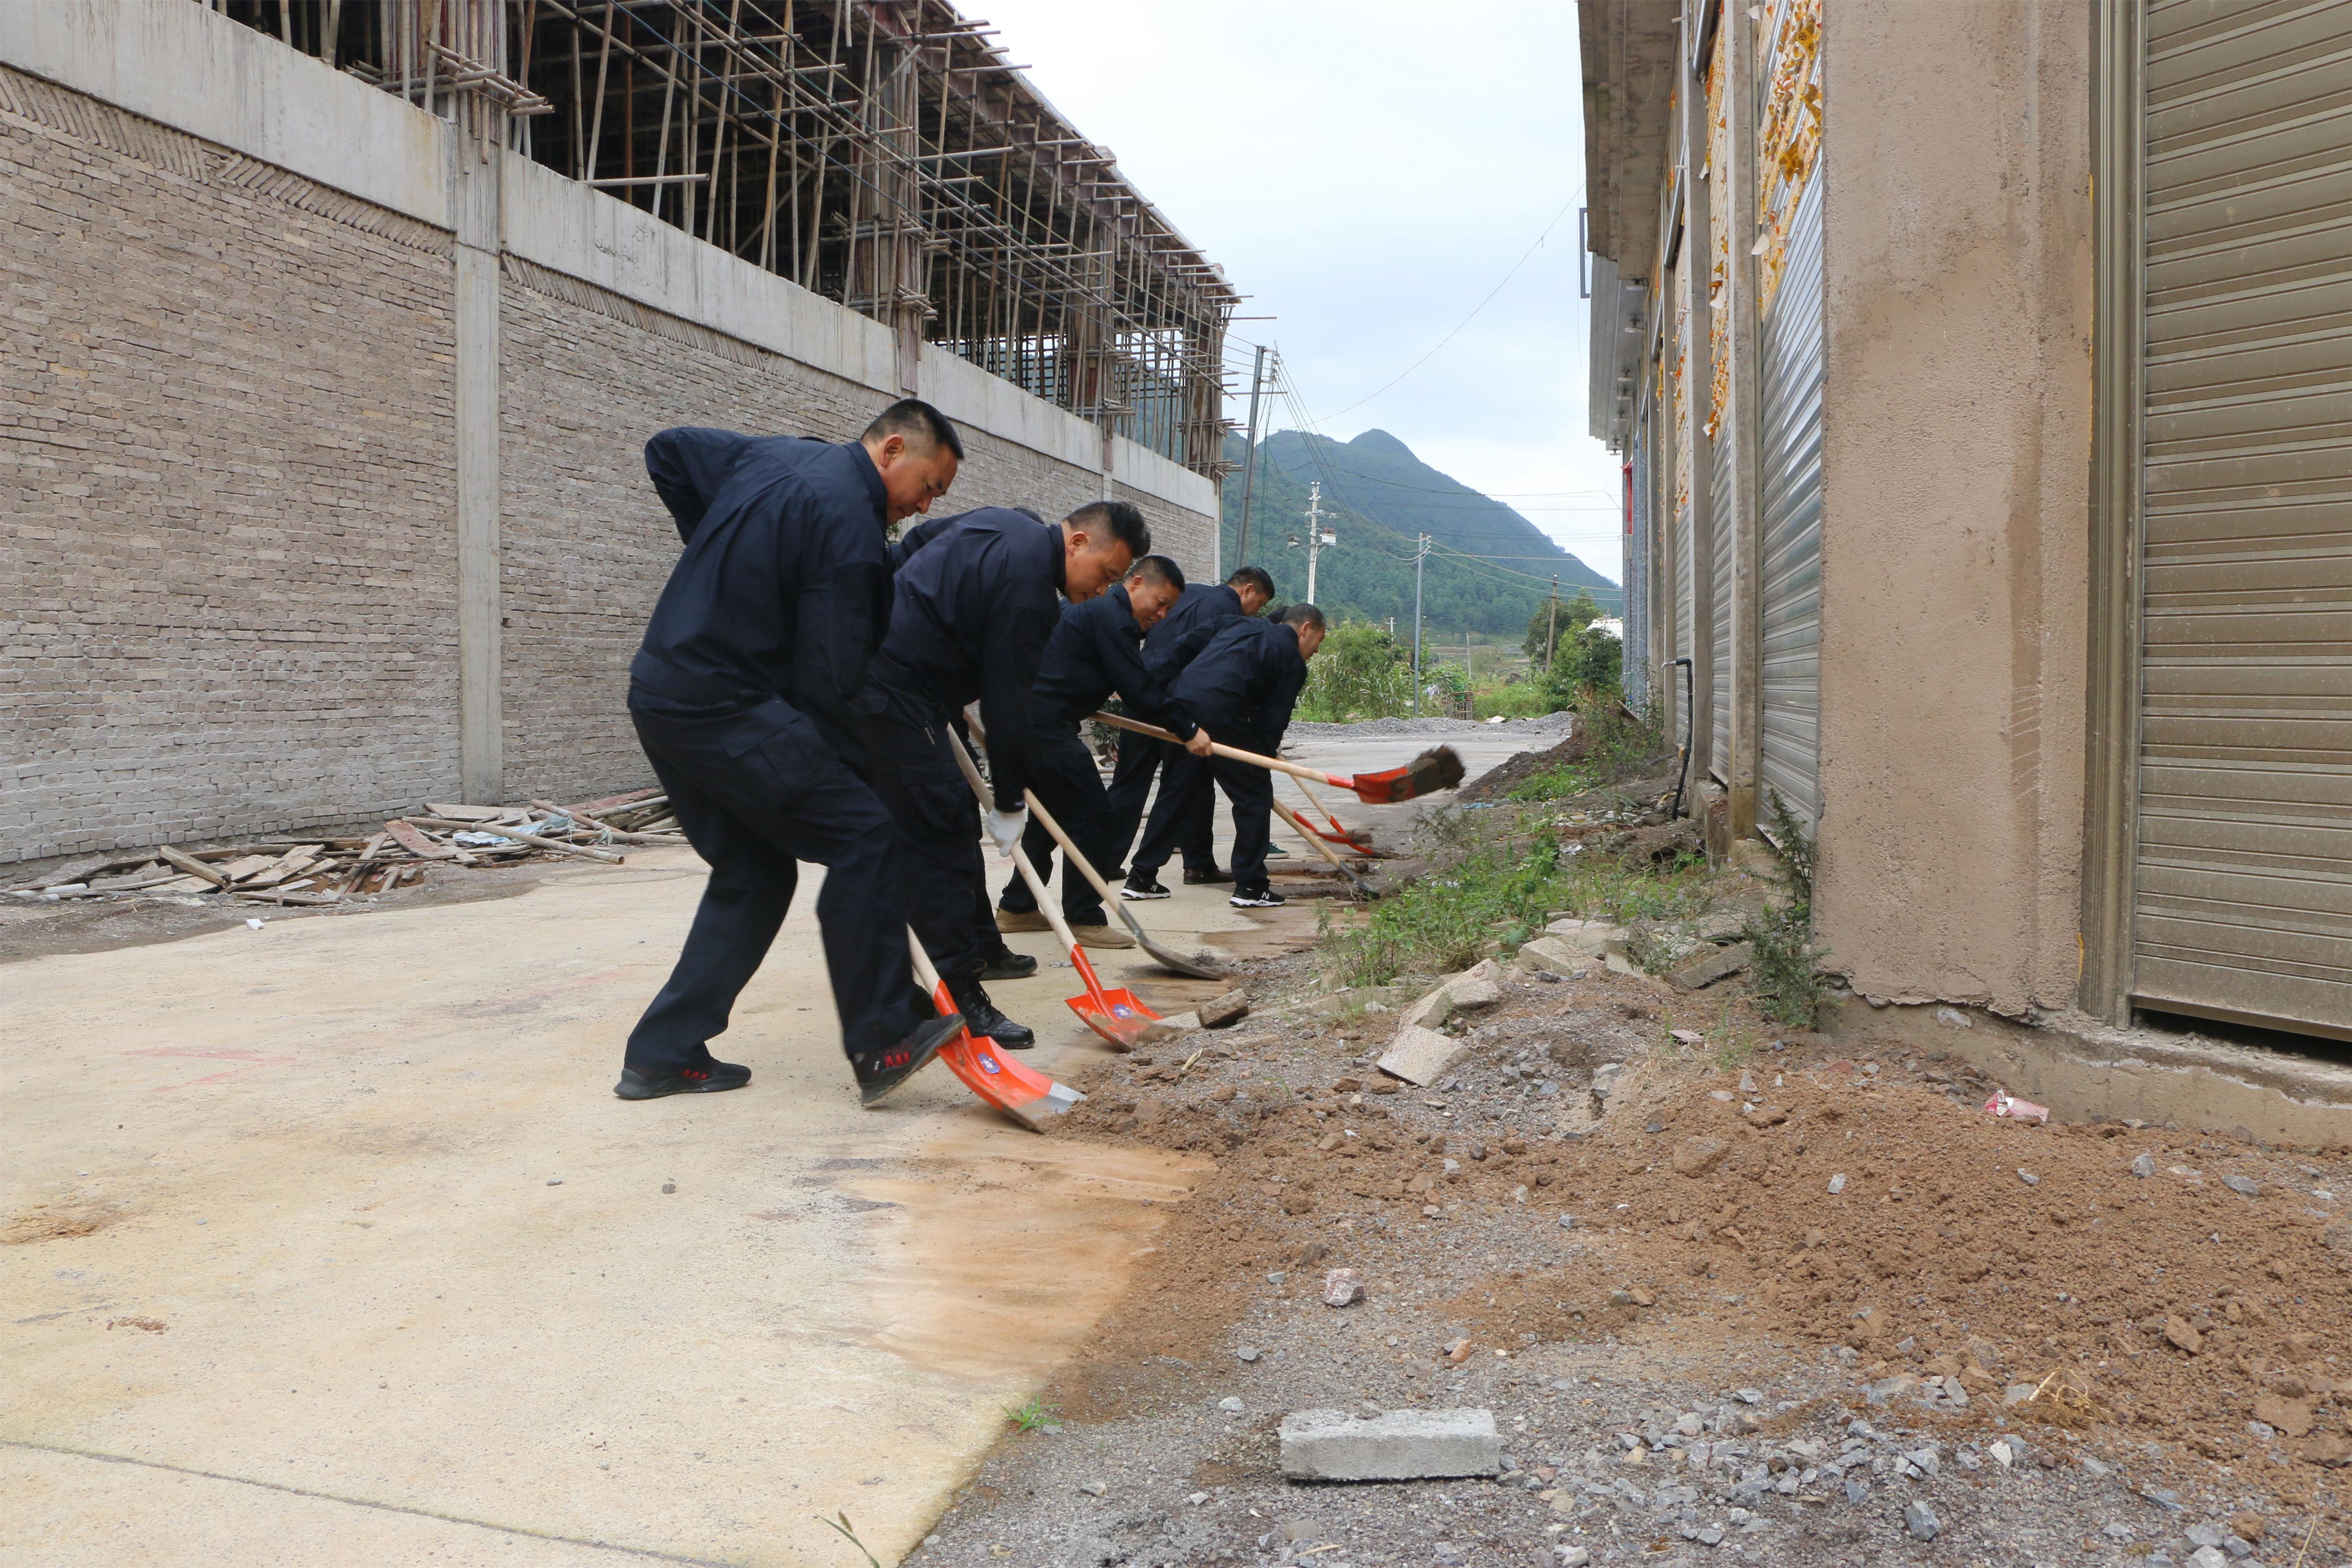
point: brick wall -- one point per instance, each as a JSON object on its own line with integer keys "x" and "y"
{"x": 225, "y": 459}
{"x": 227, "y": 494}
{"x": 585, "y": 546}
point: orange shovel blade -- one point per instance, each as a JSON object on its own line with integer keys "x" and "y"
{"x": 1027, "y": 1095}
{"x": 1118, "y": 1016}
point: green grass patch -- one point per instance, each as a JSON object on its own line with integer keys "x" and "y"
{"x": 1487, "y": 894}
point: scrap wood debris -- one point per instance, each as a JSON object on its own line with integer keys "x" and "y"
{"x": 332, "y": 871}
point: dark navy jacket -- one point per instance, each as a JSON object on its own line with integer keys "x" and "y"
{"x": 1200, "y": 605}
{"x": 782, "y": 589}
{"x": 971, "y": 614}
{"x": 1096, "y": 651}
{"x": 1245, "y": 681}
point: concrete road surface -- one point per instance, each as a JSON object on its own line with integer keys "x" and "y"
{"x": 326, "y": 1242}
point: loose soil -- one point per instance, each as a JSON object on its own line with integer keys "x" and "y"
{"x": 2172, "y": 1345}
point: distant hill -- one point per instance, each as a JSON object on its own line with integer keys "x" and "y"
{"x": 1377, "y": 496}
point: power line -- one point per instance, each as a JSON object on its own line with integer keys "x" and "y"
{"x": 1472, "y": 316}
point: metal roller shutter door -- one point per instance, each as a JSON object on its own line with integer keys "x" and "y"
{"x": 1791, "y": 478}
{"x": 1718, "y": 588}
{"x": 2243, "y": 898}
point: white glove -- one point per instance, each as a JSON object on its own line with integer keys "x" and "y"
{"x": 1004, "y": 827}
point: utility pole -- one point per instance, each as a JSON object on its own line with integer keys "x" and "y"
{"x": 1249, "y": 474}
{"x": 1551, "y": 637}
{"x": 1316, "y": 538}
{"x": 1420, "y": 554}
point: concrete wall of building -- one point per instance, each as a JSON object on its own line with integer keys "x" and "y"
{"x": 1956, "y": 434}
{"x": 229, "y": 538}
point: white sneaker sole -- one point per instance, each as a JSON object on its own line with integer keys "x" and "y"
{"x": 1131, "y": 894}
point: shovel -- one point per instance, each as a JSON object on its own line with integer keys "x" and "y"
{"x": 1432, "y": 771}
{"x": 1027, "y": 1095}
{"x": 1118, "y": 1016}
{"x": 1363, "y": 888}
{"x": 1166, "y": 957}
{"x": 1359, "y": 839}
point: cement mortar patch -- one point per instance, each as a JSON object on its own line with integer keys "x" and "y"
{"x": 2081, "y": 1069}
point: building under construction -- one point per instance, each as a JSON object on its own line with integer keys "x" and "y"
{"x": 338, "y": 325}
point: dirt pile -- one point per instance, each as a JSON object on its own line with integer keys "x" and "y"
{"x": 1868, "y": 1219}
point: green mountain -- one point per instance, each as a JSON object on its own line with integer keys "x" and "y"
{"x": 1377, "y": 496}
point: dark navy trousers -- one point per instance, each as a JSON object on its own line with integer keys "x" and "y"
{"x": 757, "y": 791}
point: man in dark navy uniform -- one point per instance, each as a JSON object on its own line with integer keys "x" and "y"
{"x": 972, "y": 610}
{"x": 1185, "y": 805}
{"x": 1096, "y": 650}
{"x": 742, "y": 697}
{"x": 1242, "y": 686}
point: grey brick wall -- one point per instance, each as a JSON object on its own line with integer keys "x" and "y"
{"x": 227, "y": 499}
{"x": 585, "y": 548}
{"x": 225, "y": 589}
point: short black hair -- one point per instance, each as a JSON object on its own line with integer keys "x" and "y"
{"x": 921, "y": 425}
{"x": 1159, "y": 569}
{"x": 1122, "y": 520}
{"x": 1302, "y": 616}
{"x": 1251, "y": 577}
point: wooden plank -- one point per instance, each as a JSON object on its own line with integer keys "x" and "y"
{"x": 405, "y": 835}
{"x": 191, "y": 865}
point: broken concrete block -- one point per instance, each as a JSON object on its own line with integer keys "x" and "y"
{"x": 1401, "y": 1445}
{"x": 1223, "y": 1012}
{"x": 1711, "y": 965}
{"x": 1476, "y": 986}
{"x": 1471, "y": 992}
{"x": 1430, "y": 1013}
{"x": 1587, "y": 937}
{"x": 1420, "y": 1056}
{"x": 1161, "y": 1029}
{"x": 1551, "y": 955}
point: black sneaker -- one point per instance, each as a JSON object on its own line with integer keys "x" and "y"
{"x": 1212, "y": 878}
{"x": 879, "y": 1072}
{"x": 1263, "y": 899}
{"x": 1149, "y": 888}
{"x": 980, "y": 1016}
{"x": 1006, "y": 964}
{"x": 711, "y": 1078}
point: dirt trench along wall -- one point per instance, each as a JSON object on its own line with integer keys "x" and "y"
{"x": 230, "y": 468}
{"x": 1956, "y": 423}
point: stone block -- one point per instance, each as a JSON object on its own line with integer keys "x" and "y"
{"x": 1551, "y": 955}
{"x": 1589, "y": 938}
{"x": 1225, "y": 1011}
{"x": 1401, "y": 1445}
{"x": 1712, "y": 964}
{"x": 1422, "y": 1056}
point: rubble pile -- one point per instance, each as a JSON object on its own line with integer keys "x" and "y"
{"x": 323, "y": 871}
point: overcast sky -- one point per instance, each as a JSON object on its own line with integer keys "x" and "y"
{"x": 1369, "y": 171}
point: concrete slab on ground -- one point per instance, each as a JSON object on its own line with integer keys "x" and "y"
{"x": 418, "y": 1285}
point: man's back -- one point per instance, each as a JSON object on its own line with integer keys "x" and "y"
{"x": 1247, "y": 679}
{"x": 782, "y": 588}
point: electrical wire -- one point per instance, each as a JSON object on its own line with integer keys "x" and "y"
{"x": 1472, "y": 316}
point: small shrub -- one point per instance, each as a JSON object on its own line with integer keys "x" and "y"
{"x": 1786, "y": 974}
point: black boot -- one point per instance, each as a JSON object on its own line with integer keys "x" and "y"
{"x": 980, "y": 1016}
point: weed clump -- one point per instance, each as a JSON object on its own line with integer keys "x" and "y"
{"x": 1785, "y": 973}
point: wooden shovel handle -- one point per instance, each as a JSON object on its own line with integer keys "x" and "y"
{"x": 1273, "y": 764}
